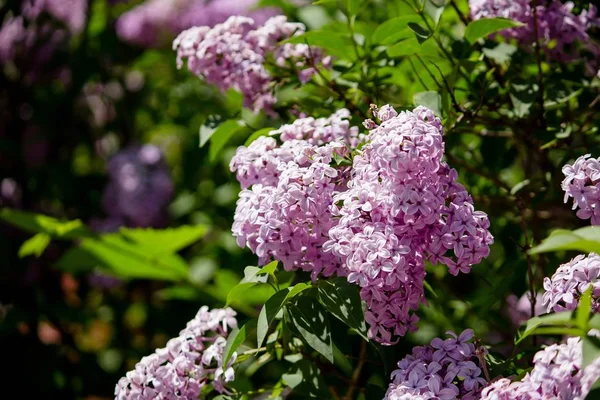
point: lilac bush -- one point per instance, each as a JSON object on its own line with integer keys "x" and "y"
{"x": 189, "y": 363}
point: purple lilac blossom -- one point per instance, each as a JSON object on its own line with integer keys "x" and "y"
{"x": 557, "y": 374}
{"x": 233, "y": 55}
{"x": 444, "y": 370}
{"x": 564, "y": 289}
{"x": 582, "y": 183}
{"x": 559, "y": 30}
{"x": 140, "y": 187}
{"x": 187, "y": 364}
{"x": 150, "y": 22}
{"x": 284, "y": 211}
{"x": 403, "y": 206}
{"x": 375, "y": 223}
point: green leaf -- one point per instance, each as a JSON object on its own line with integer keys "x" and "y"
{"x": 268, "y": 314}
{"x": 158, "y": 241}
{"x": 410, "y": 47}
{"x": 334, "y": 43}
{"x": 421, "y": 33}
{"x": 306, "y": 379}
{"x": 431, "y": 100}
{"x": 236, "y": 293}
{"x": 590, "y": 349}
{"x": 309, "y": 319}
{"x": 484, "y": 27}
{"x": 561, "y": 319}
{"x": 124, "y": 259}
{"x": 353, "y": 6}
{"x": 586, "y": 240}
{"x": 236, "y": 338}
{"x": 35, "y": 245}
{"x": 582, "y": 315}
{"x": 221, "y": 136}
{"x": 38, "y": 223}
{"x": 257, "y": 134}
{"x": 394, "y": 30}
{"x": 435, "y": 9}
{"x": 342, "y": 299}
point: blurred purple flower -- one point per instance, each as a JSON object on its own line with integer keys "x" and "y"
{"x": 140, "y": 187}
{"x": 10, "y": 193}
{"x": 518, "y": 309}
{"x": 559, "y": 30}
{"x": 155, "y": 22}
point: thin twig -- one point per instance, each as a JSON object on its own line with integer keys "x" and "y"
{"x": 538, "y": 59}
{"x": 356, "y": 374}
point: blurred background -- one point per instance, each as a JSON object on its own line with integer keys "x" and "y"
{"x": 98, "y": 124}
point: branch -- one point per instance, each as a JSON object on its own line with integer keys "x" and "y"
{"x": 538, "y": 59}
{"x": 356, "y": 374}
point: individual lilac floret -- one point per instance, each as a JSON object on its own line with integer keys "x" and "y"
{"x": 570, "y": 281}
{"x": 403, "y": 206}
{"x": 559, "y": 30}
{"x": 582, "y": 183}
{"x": 445, "y": 370}
{"x": 557, "y": 374}
{"x": 153, "y": 21}
{"x": 188, "y": 363}
{"x": 286, "y": 214}
{"x": 234, "y": 55}
{"x": 140, "y": 187}
{"x": 519, "y": 308}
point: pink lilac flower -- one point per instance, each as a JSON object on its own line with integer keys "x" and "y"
{"x": 403, "y": 207}
{"x": 582, "y": 184}
{"x": 375, "y": 223}
{"x": 234, "y": 55}
{"x": 150, "y": 22}
{"x": 140, "y": 187}
{"x": 559, "y": 30}
{"x": 444, "y": 370}
{"x": 284, "y": 211}
{"x": 564, "y": 289}
{"x": 557, "y": 374}
{"x": 188, "y": 363}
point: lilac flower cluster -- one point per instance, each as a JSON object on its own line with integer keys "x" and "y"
{"x": 233, "y": 55}
{"x": 582, "y": 184}
{"x": 570, "y": 281}
{"x": 153, "y": 20}
{"x": 559, "y": 30}
{"x": 403, "y": 207}
{"x": 140, "y": 188}
{"x": 187, "y": 364}
{"x": 444, "y": 370}
{"x": 376, "y": 222}
{"x": 20, "y": 34}
{"x": 557, "y": 374}
{"x": 286, "y": 214}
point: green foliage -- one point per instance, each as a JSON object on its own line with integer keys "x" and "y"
{"x": 584, "y": 239}
{"x": 486, "y": 26}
